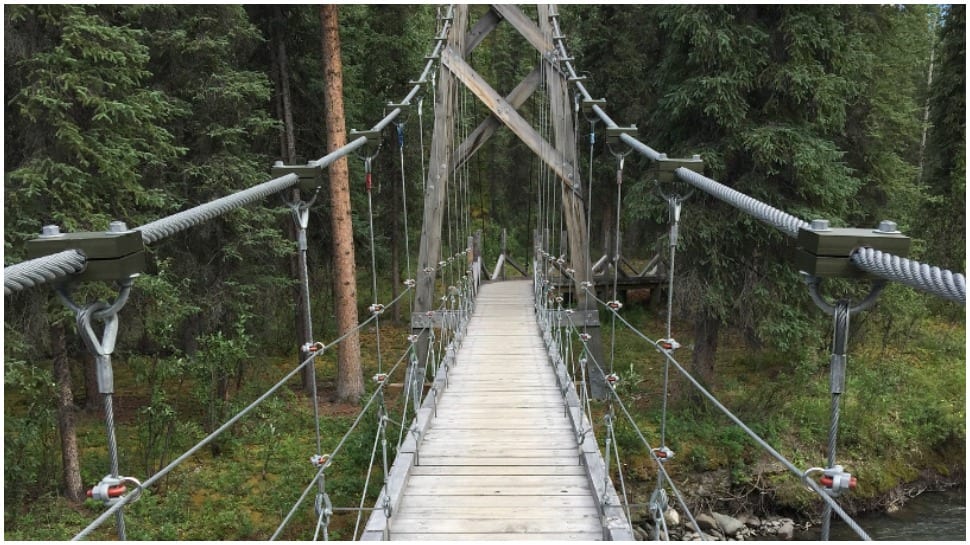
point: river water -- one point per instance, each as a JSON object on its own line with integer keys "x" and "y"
{"x": 936, "y": 516}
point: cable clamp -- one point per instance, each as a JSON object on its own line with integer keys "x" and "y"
{"x": 664, "y": 454}
{"x": 429, "y": 270}
{"x": 615, "y": 305}
{"x": 586, "y": 284}
{"x": 111, "y": 489}
{"x": 412, "y": 339}
{"x": 612, "y": 379}
{"x": 585, "y": 337}
{"x": 835, "y": 481}
{"x": 410, "y": 283}
{"x": 570, "y": 271}
{"x": 668, "y": 345}
{"x": 313, "y": 347}
{"x": 380, "y": 378}
{"x": 376, "y": 308}
{"x": 561, "y": 261}
{"x": 319, "y": 460}
{"x": 559, "y": 299}
{"x": 569, "y": 311}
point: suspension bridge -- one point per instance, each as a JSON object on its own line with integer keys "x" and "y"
{"x": 496, "y": 437}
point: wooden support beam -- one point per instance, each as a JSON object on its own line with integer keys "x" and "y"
{"x": 482, "y": 28}
{"x": 507, "y": 115}
{"x": 436, "y": 186}
{"x": 487, "y": 128}
{"x": 525, "y": 26}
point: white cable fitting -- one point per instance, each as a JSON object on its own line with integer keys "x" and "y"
{"x": 376, "y": 308}
{"x": 379, "y": 377}
{"x": 615, "y": 304}
{"x": 319, "y": 460}
{"x": 668, "y": 345}
{"x": 664, "y": 454}
{"x": 410, "y": 283}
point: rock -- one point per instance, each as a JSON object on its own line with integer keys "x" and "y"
{"x": 751, "y": 521}
{"x": 672, "y": 517}
{"x": 706, "y": 522}
{"x": 730, "y": 526}
{"x": 787, "y": 530}
{"x": 639, "y": 534}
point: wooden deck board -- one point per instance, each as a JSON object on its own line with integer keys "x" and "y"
{"x": 500, "y": 460}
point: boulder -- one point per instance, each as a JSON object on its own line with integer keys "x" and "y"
{"x": 730, "y": 526}
{"x": 787, "y": 530}
{"x": 672, "y": 517}
{"x": 706, "y": 522}
{"x": 751, "y": 521}
{"x": 639, "y": 534}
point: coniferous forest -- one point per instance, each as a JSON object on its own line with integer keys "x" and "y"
{"x": 852, "y": 113}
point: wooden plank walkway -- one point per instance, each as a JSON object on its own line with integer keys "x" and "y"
{"x": 500, "y": 460}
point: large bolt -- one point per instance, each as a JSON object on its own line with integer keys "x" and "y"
{"x": 696, "y": 157}
{"x": 820, "y": 225}
{"x": 117, "y": 227}
{"x": 887, "y": 227}
{"x": 50, "y": 231}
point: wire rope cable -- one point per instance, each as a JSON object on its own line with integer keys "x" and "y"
{"x": 34, "y": 272}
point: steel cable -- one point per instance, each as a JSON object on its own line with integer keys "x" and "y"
{"x": 34, "y": 272}
{"x": 939, "y": 282}
{"x": 778, "y": 219}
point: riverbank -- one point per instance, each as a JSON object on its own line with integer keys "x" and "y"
{"x": 917, "y": 510}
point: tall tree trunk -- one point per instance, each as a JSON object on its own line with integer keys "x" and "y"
{"x": 284, "y": 106}
{"x": 92, "y": 396}
{"x": 350, "y": 382}
{"x": 396, "y": 249}
{"x": 706, "y": 330}
{"x": 73, "y": 487}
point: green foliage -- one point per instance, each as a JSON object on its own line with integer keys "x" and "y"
{"x": 945, "y": 169}
{"x": 29, "y": 431}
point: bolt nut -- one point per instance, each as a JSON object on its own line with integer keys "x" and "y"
{"x": 117, "y": 227}
{"x": 820, "y": 225}
{"x": 50, "y": 231}
{"x": 887, "y": 227}
{"x": 696, "y": 157}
